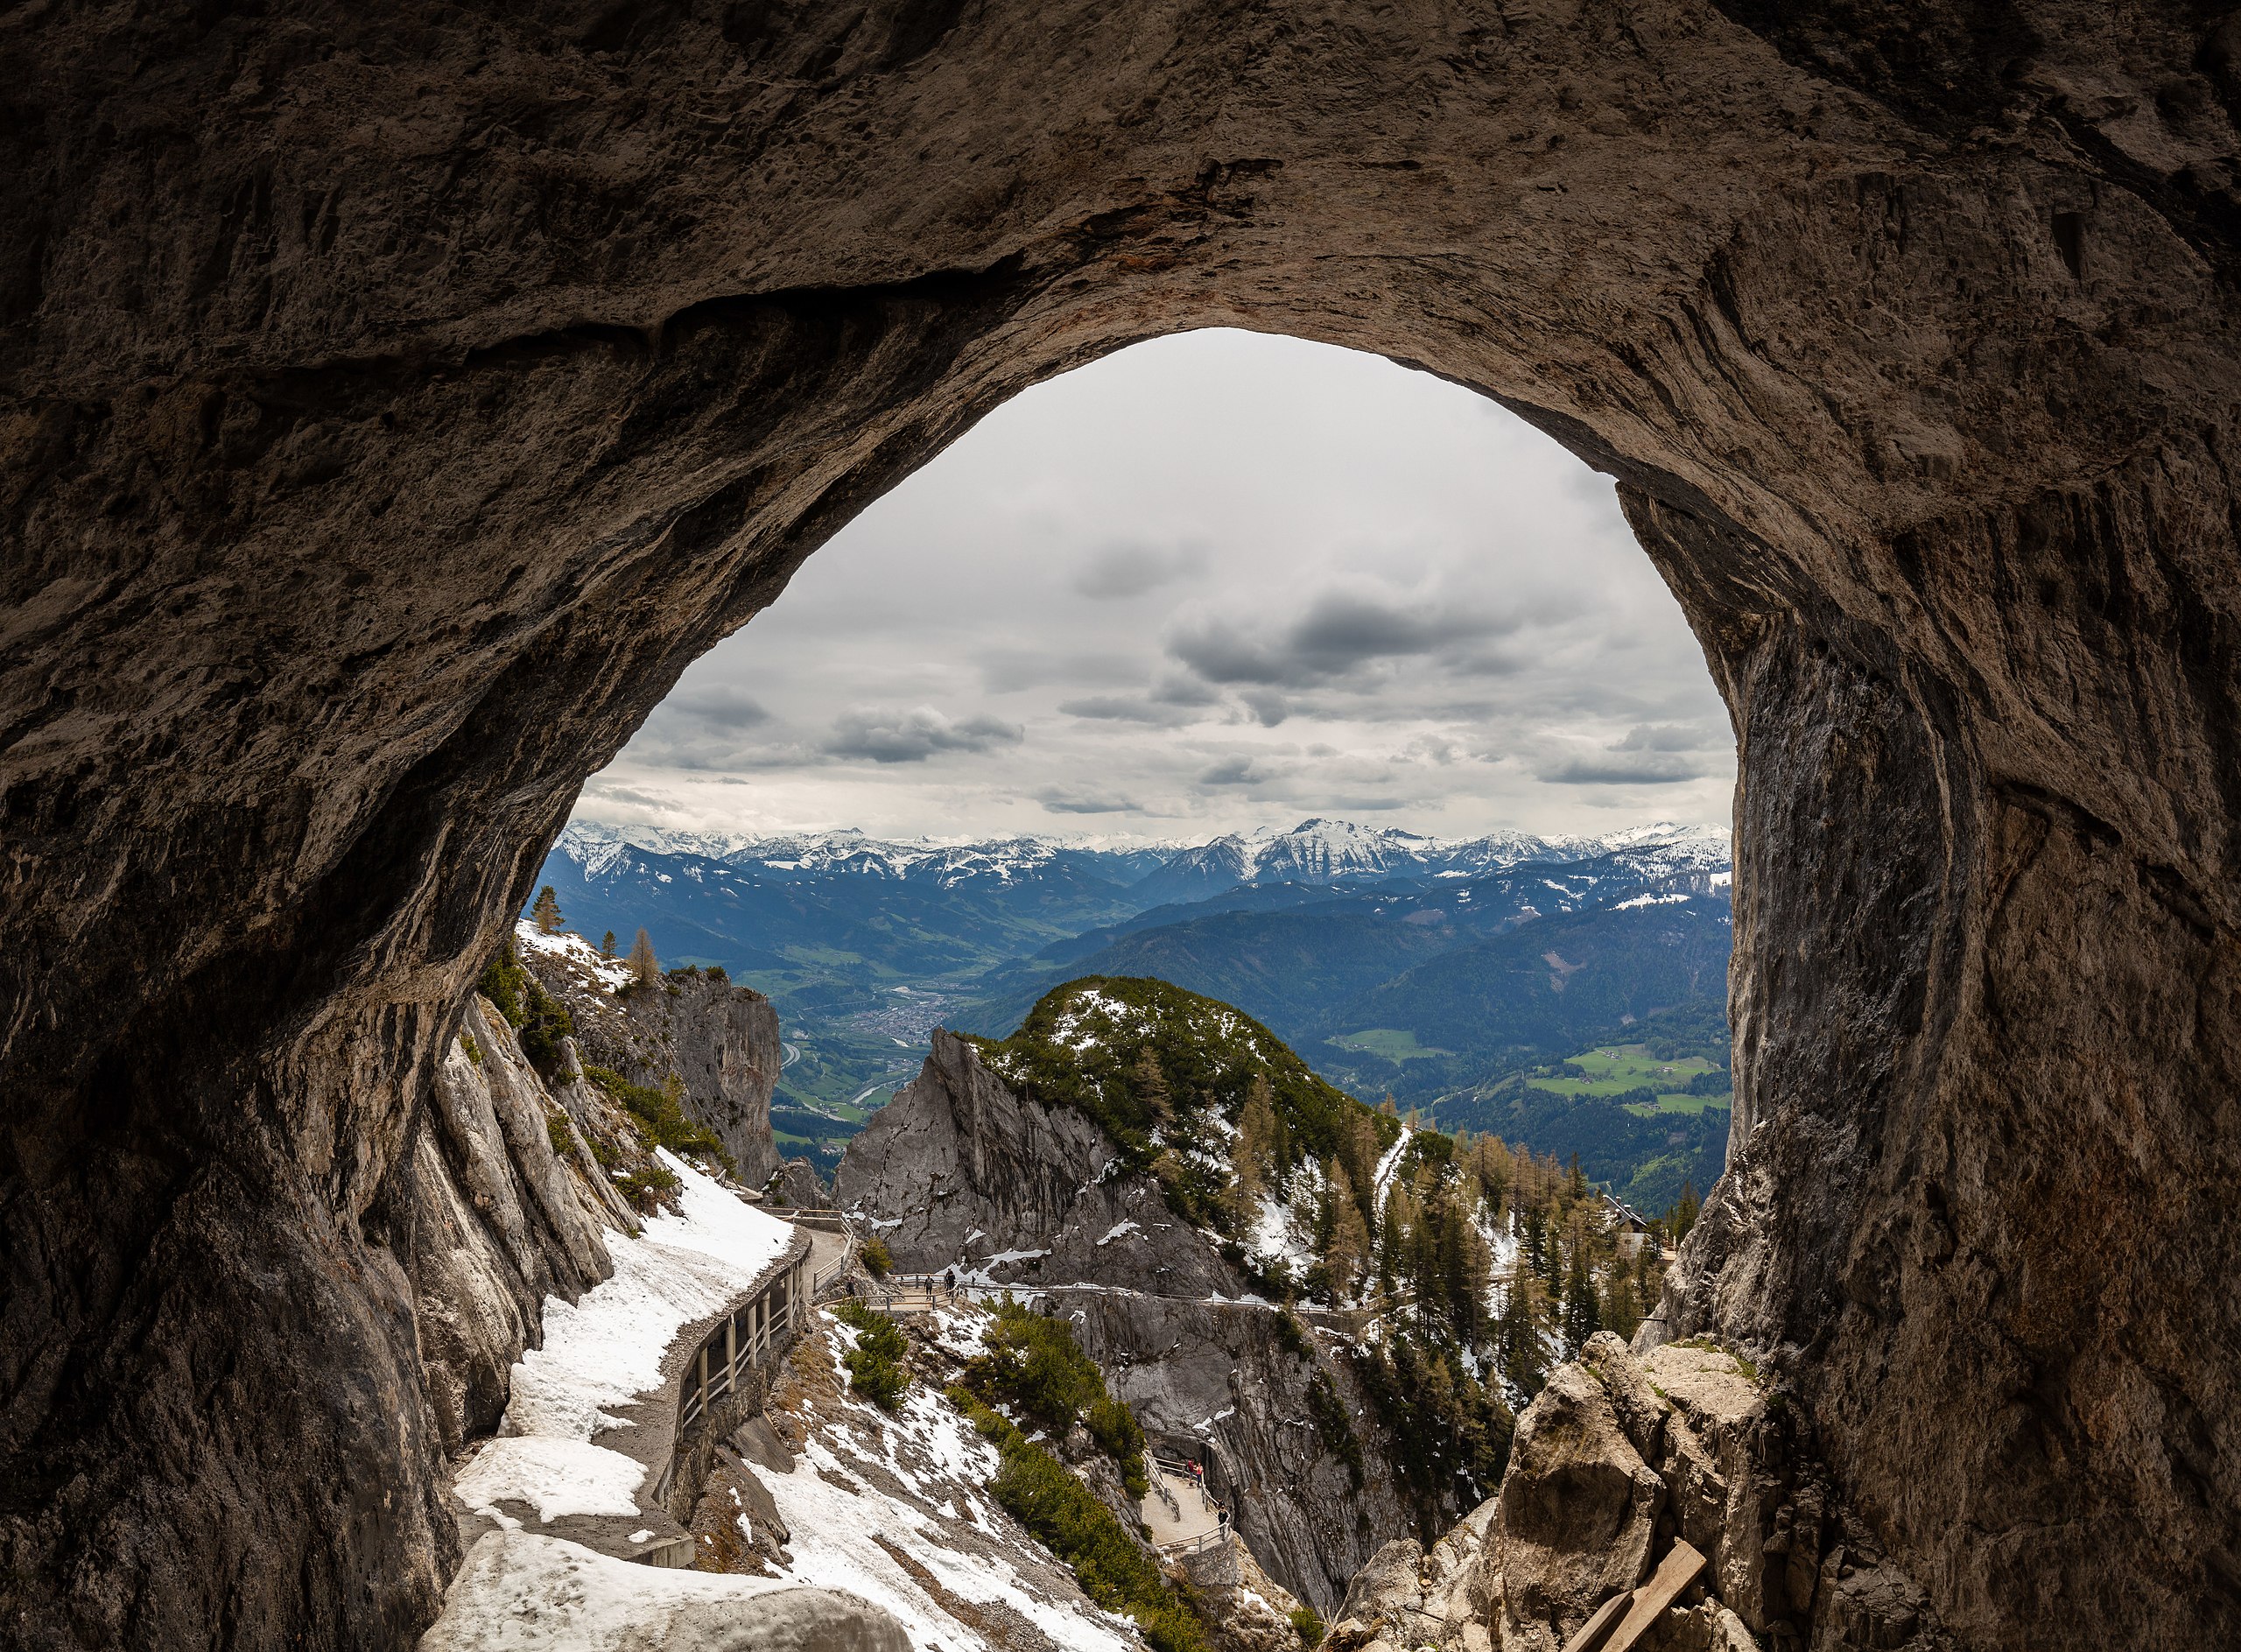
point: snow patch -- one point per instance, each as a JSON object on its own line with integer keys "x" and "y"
{"x": 555, "y": 1477}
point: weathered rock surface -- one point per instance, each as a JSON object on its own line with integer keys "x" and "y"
{"x": 397, "y": 399}
{"x": 1615, "y": 1461}
{"x": 499, "y": 1224}
{"x": 796, "y": 1183}
{"x": 959, "y": 1171}
{"x": 718, "y": 1041}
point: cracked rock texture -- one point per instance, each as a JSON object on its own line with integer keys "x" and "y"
{"x": 718, "y": 1041}
{"x": 393, "y": 401}
{"x": 957, "y": 1171}
{"x": 1616, "y": 1460}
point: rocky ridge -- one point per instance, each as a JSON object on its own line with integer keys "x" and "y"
{"x": 716, "y": 1042}
{"x": 958, "y": 1172}
{"x": 1616, "y": 1460}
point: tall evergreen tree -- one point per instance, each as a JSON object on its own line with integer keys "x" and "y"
{"x": 607, "y": 944}
{"x": 643, "y": 968}
{"x": 1151, "y": 1085}
{"x": 545, "y": 912}
{"x": 1583, "y": 1317}
{"x": 1349, "y": 1243}
{"x": 1517, "y": 1333}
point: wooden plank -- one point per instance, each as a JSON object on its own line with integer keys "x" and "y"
{"x": 1598, "y": 1628}
{"x": 1682, "y": 1566}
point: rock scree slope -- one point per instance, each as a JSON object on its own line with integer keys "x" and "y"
{"x": 397, "y": 399}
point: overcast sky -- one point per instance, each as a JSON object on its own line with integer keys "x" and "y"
{"x": 1216, "y": 581}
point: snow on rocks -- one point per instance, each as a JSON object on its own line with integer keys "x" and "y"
{"x": 610, "y": 973}
{"x": 895, "y": 1510}
{"x": 605, "y": 1350}
{"x": 520, "y": 1591}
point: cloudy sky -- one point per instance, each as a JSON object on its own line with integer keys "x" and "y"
{"x": 1216, "y": 581}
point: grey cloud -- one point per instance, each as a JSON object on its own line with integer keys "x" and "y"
{"x": 717, "y": 705}
{"x": 1178, "y": 688}
{"x": 1131, "y": 570}
{"x": 1339, "y": 632}
{"x": 915, "y": 736}
{"x": 1125, "y": 709}
{"x": 1073, "y": 801}
{"x": 1267, "y": 705}
{"x": 1238, "y": 772}
{"x": 1623, "y": 769}
{"x": 1667, "y": 737}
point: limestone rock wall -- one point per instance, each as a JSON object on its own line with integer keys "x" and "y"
{"x": 959, "y": 1171}
{"x": 501, "y": 1221}
{"x": 718, "y": 1041}
{"x": 394, "y": 400}
{"x": 1616, "y": 1461}
{"x": 955, "y": 1170}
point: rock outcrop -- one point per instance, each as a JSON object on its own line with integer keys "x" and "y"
{"x": 501, "y": 1221}
{"x": 396, "y": 399}
{"x": 795, "y": 1183}
{"x": 718, "y": 1044}
{"x": 958, "y": 1172}
{"x": 1616, "y": 1461}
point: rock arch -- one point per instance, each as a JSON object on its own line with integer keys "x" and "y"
{"x": 396, "y": 402}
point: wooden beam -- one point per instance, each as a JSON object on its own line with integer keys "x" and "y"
{"x": 1597, "y": 1629}
{"x": 1682, "y": 1566}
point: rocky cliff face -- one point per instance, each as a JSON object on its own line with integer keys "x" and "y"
{"x": 396, "y": 399}
{"x": 501, "y": 1221}
{"x": 957, "y": 1171}
{"x": 719, "y": 1042}
{"x": 1616, "y": 1462}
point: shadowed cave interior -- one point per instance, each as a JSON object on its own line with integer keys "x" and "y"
{"x": 396, "y": 405}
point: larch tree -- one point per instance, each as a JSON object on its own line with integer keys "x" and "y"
{"x": 545, "y": 913}
{"x": 643, "y": 968}
{"x": 1349, "y": 1235}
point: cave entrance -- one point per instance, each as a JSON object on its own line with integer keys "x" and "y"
{"x": 1219, "y": 583}
{"x": 397, "y": 409}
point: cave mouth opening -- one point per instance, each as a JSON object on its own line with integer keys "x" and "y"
{"x": 372, "y": 479}
{"x": 1223, "y": 581}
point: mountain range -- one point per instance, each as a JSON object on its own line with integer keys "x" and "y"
{"x": 1399, "y": 965}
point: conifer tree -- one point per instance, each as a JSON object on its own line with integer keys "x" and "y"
{"x": 1256, "y": 1127}
{"x": 607, "y": 944}
{"x": 1683, "y": 1216}
{"x": 546, "y": 911}
{"x": 1583, "y": 1318}
{"x": 1349, "y": 1235}
{"x": 1360, "y": 1155}
{"x": 643, "y": 968}
{"x": 1151, "y": 1089}
{"x": 1517, "y": 1338}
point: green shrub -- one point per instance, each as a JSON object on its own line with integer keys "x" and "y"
{"x": 1034, "y": 1365}
{"x": 541, "y": 1020}
{"x": 876, "y": 1364}
{"x": 1307, "y": 1623}
{"x": 563, "y": 1138}
{"x": 1165, "y": 1051}
{"x": 544, "y": 1022}
{"x": 645, "y": 1188}
{"x": 501, "y": 982}
{"x": 661, "y": 1118}
{"x": 1065, "y": 1516}
{"x": 878, "y": 1260}
{"x": 473, "y": 1050}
